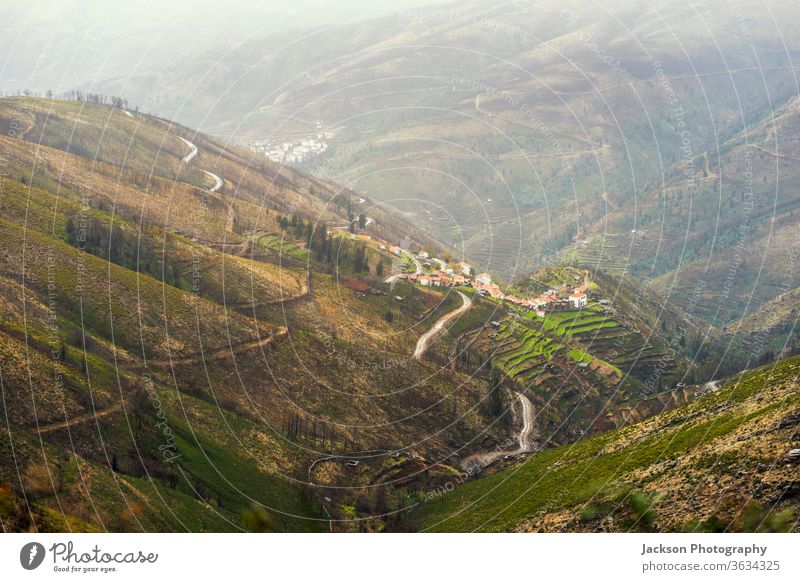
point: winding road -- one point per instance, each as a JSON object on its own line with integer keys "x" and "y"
{"x": 424, "y": 341}
{"x": 524, "y": 435}
{"x": 190, "y": 156}
{"x": 417, "y": 269}
{"x": 192, "y": 150}
{"x": 217, "y": 181}
{"x": 480, "y": 460}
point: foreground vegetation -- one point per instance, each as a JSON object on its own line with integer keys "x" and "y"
{"x": 695, "y": 468}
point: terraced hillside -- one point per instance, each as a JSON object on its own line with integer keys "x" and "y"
{"x": 602, "y": 366}
{"x": 717, "y": 464}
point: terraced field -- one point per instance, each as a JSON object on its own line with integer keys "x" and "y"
{"x": 523, "y": 352}
{"x": 283, "y": 247}
{"x": 605, "y": 252}
{"x": 611, "y": 350}
{"x": 524, "y": 347}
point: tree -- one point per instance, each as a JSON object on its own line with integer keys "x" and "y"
{"x": 62, "y": 351}
{"x": 360, "y": 263}
{"x": 362, "y": 221}
{"x": 379, "y": 268}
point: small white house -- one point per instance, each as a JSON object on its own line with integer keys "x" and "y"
{"x": 423, "y": 255}
{"x": 578, "y": 300}
{"x": 484, "y": 278}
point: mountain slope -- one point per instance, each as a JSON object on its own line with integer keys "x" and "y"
{"x": 175, "y": 358}
{"x": 716, "y": 464}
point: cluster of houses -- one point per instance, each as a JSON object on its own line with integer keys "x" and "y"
{"x": 550, "y": 300}
{"x": 439, "y": 279}
{"x": 554, "y": 299}
{"x": 297, "y": 151}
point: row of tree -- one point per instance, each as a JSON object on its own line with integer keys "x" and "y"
{"x": 338, "y": 252}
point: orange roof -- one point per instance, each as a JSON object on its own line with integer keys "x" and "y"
{"x": 577, "y": 295}
{"x": 355, "y": 285}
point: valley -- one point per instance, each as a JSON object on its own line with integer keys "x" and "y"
{"x": 559, "y": 140}
{"x": 234, "y": 337}
{"x": 460, "y": 267}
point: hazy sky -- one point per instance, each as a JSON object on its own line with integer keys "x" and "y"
{"x": 61, "y": 44}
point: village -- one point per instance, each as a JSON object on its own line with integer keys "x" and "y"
{"x": 296, "y": 151}
{"x": 561, "y": 298}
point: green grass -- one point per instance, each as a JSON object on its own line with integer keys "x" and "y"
{"x": 580, "y": 356}
{"x": 283, "y": 247}
{"x": 231, "y": 482}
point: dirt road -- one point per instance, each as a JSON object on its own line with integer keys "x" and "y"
{"x": 476, "y": 463}
{"x": 425, "y": 339}
{"x": 192, "y": 150}
{"x": 217, "y": 181}
{"x": 81, "y": 418}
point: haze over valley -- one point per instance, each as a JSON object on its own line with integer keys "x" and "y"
{"x": 400, "y": 266}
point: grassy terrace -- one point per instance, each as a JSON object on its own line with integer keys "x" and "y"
{"x": 523, "y": 346}
{"x": 281, "y": 247}
{"x": 569, "y": 475}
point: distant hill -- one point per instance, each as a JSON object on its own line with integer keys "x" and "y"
{"x": 560, "y": 132}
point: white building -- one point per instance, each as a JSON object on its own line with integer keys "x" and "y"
{"x": 578, "y": 300}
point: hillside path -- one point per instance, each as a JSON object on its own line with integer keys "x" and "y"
{"x": 480, "y": 460}
{"x": 425, "y": 339}
{"x": 81, "y": 418}
{"x": 217, "y": 181}
{"x": 222, "y": 353}
{"x": 192, "y": 150}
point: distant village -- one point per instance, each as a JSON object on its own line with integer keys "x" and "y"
{"x": 553, "y": 299}
{"x": 296, "y": 151}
